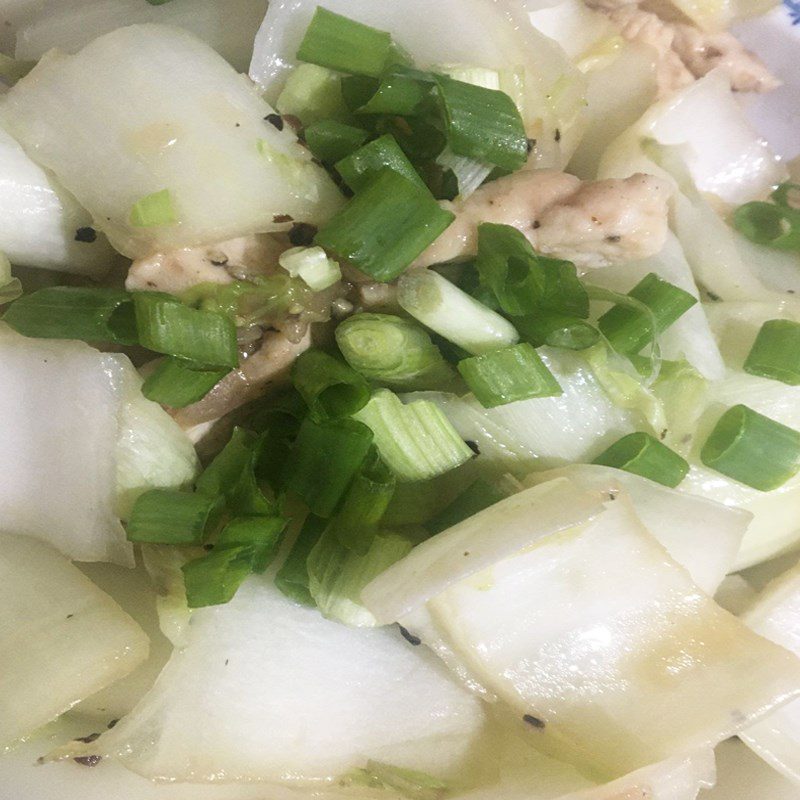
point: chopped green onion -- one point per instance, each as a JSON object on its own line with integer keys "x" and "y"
{"x": 278, "y": 424}
{"x": 752, "y": 449}
{"x": 67, "y": 312}
{"x": 166, "y": 516}
{"x": 364, "y": 505}
{"x": 524, "y": 281}
{"x": 628, "y": 330}
{"x": 776, "y": 352}
{"x": 478, "y": 495}
{"x": 410, "y": 783}
{"x": 644, "y": 455}
{"x": 215, "y": 578}
{"x": 292, "y": 577}
{"x": 177, "y": 383}
{"x": 421, "y": 138}
{"x": 345, "y": 45}
{"x": 359, "y": 168}
{"x": 392, "y": 351}
{"x": 155, "y": 209}
{"x": 401, "y": 92}
{"x": 357, "y": 90}
{"x": 331, "y": 141}
{"x": 557, "y": 330}
{"x": 312, "y": 266}
{"x": 452, "y": 313}
{"x": 385, "y": 226}
{"x": 483, "y": 124}
{"x": 329, "y": 387}
{"x": 774, "y": 225}
{"x": 416, "y": 441}
{"x": 263, "y": 534}
{"x": 325, "y": 458}
{"x": 787, "y": 195}
{"x": 311, "y": 94}
{"x": 504, "y": 376}
{"x": 337, "y": 575}
{"x": 167, "y": 326}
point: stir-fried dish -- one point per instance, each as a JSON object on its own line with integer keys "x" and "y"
{"x": 403, "y": 418}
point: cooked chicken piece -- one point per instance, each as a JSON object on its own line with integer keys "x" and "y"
{"x": 592, "y": 224}
{"x": 702, "y": 52}
{"x": 685, "y": 52}
{"x": 266, "y": 368}
{"x": 179, "y": 270}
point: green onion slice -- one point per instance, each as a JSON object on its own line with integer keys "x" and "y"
{"x": 177, "y": 383}
{"x": 66, "y": 312}
{"x": 329, "y": 387}
{"x": 483, "y": 124}
{"x": 385, "y": 226}
{"x": 769, "y": 224}
{"x": 263, "y": 534}
{"x": 292, "y": 577}
{"x": 166, "y": 516}
{"x": 557, "y": 330}
{"x": 480, "y": 494}
{"x": 629, "y": 330}
{"x": 401, "y": 92}
{"x": 215, "y": 578}
{"x": 359, "y": 168}
{"x": 787, "y": 195}
{"x": 155, "y": 209}
{"x": 776, "y": 352}
{"x": 331, "y": 141}
{"x": 416, "y": 441}
{"x": 752, "y": 449}
{"x": 325, "y": 458}
{"x": 504, "y": 376}
{"x": 644, "y": 455}
{"x": 167, "y": 326}
{"x": 345, "y": 45}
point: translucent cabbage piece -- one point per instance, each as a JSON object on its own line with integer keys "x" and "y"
{"x": 534, "y": 70}
{"x": 150, "y": 109}
{"x": 228, "y": 27}
{"x": 59, "y": 419}
{"x": 295, "y": 698}
{"x": 41, "y": 219}
{"x": 61, "y": 638}
{"x": 776, "y": 616}
{"x": 722, "y": 152}
{"x": 152, "y": 449}
{"x": 718, "y": 15}
{"x": 604, "y": 647}
{"x": 702, "y": 536}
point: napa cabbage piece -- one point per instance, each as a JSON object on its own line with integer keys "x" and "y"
{"x": 702, "y": 536}
{"x": 41, "y": 219}
{"x": 152, "y": 450}
{"x": 545, "y": 431}
{"x": 295, "y": 698}
{"x": 150, "y": 119}
{"x": 718, "y": 15}
{"x": 601, "y": 644}
{"x": 722, "y": 152}
{"x": 59, "y": 419}
{"x": 229, "y": 28}
{"x": 61, "y": 638}
{"x": 776, "y": 616}
{"x": 533, "y": 69}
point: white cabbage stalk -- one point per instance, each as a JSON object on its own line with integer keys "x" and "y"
{"x": 688, "y": 338}
{"x": 617, "y": 94}
{"x": 40, "y": 218}
{"x": 228, "y": 27}
{"x": 776, "y": 616}
{"x": 571, "y": 23}
{"x": 152, "y": 449}
{"x": 295, "y": 698}
{"x": 718, "y": 15}
{"x": 59, "y": 420}
{"x": 603, "y": 645}
{"x": 478, "y": 33}
{"x": 61, "y": 638}
{"x": 702, "y": 536}
{"x": 722, "y": 152}
{"x": 148, "y": 109}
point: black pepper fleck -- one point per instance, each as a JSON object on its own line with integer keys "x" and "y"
{"x": 92, "y": 737}
{"x": 409, "y": 637}
{"x": 529, "y": 145}
{"x": 276, "y": 120}
{"x": 614, "y": 237}
{"x": 221, "y": 263}
{"x": 714, "y": 298}
{"x": 663, "y": 434}
{"x": 473, "y": 446}
{"x": 534, "y": 722}
{"x": 70, "y": 616}
{"x": 536, "y": 224}
{"x": 88, "y": 761}
{"x": 87, "y": 235}
{"x": 302, "y": 234}
{"x": 557, "y": 135}
{"x": 112, "y": 723}
{"x": 278, "y": 218}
